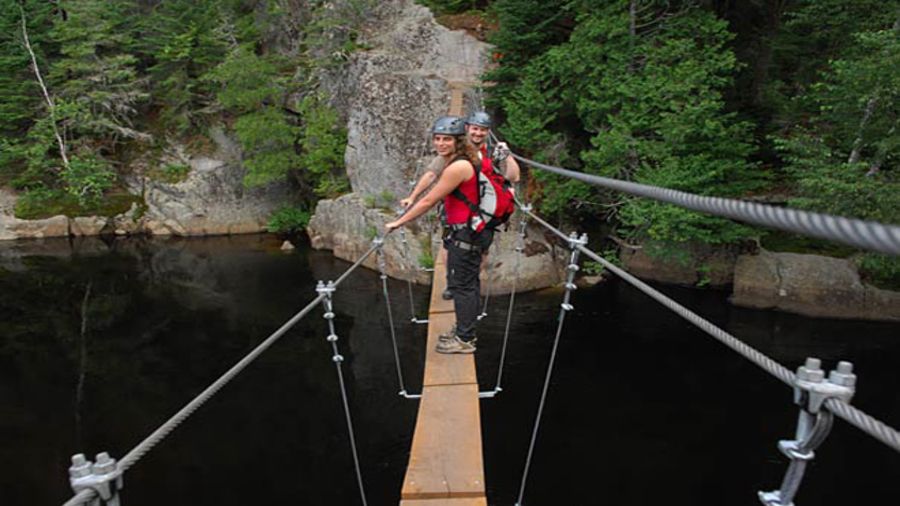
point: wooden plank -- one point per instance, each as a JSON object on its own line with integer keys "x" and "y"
{"x": 442, "y": 369}
{"x": 456, "y": 101}
{"x": 463, "y": 501}
{"x": 446, "y": 459}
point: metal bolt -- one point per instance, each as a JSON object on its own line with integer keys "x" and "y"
{"x": 104, "y": 464}
{"x": 811, "y": 371}
{"x": 81, "y": 467}
{"x": 843, "y": 375}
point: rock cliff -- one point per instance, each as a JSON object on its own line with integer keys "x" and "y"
{"x": 390, "y": 95}
{"x": 812, "y": 285}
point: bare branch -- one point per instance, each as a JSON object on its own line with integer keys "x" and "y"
{"x": 50, "y": 105}
{"x": 867, "y": 115}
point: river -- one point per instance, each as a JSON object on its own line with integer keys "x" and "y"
{"x": 103, "y": 341}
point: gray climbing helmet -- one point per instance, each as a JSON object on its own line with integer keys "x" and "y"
{"x": 479, "y": 118}
{"x": 449, "y": 125}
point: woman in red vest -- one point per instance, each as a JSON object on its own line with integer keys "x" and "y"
{"x": 464, "y": 246}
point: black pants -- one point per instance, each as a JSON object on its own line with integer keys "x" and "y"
{"x": 463, "y": 270}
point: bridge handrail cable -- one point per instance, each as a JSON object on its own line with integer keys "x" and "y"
{"x": 852, "y": 415}
{"x": 136, "y": 453}
{"x": 869, "y": 235}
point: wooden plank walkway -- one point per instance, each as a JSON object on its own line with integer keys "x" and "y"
{"x": 445, "y": 463}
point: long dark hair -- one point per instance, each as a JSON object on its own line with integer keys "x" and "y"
{"x": 462, "y": 148}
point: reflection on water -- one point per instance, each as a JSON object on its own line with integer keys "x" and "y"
{"x": 101, "y": 342}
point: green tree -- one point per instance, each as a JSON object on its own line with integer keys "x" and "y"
{"x": 250, "y": 86}
{"x": 20, "y": 97}
{"x": 844, "y": 154}
{"x": 185, "y": 39}
{"x": 95, "y": 69}
{"x": 643, "y": 84}
{"x": 322, "y": 143}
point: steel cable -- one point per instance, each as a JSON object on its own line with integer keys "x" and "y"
{"x": 869, "y": 235}
{"x": 520, "y": 248}
{"x": 136, "y": 453}
{"x": 390, "y": 314}
{"x": 875, "y": 428}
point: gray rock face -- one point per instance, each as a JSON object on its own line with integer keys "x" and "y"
{"x": 347, "y": 227}
{"x": 540, "y": 265}
{"x": 703, "y": 265}
{"x": 212, "y": 200}
{"x": 812, "y": 285}
{"x": 390, "y": 96}
{"x": 392, "y": 93}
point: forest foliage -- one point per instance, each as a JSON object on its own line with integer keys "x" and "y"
{"x": 86, "y": 85}
{"x": 793, "y": 102}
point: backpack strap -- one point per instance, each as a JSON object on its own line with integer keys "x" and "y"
{"x": 461, "y": 196}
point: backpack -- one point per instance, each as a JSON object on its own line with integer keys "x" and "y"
{"x": 496, "y": 202}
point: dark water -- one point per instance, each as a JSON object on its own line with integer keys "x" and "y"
{"x": 643, "y": 408}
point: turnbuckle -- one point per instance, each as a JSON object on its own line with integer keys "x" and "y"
{"x": 101, "y": 476}
{"x": 811, "y": 390}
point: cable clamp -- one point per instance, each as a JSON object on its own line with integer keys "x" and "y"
{"x": 323, "y": 289}
{"x": 811, "y": 390}
{"x": 100, "y": 476}
{"x": 567, "y": 307}
{"x": 575, "y": 240}
{"x": 378, "y": 241}
{"x": 571, "y": 286}
{"x": 526, "y": 208}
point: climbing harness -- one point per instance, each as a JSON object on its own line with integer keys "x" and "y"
{"x": 337, "y": 358}
{"x": 813, "y": 425}
{"x": 574, "y": 243}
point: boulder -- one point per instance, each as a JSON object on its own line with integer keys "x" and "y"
{"x": 391, "y": 93}
{"x": 541, "y": 264}
{"x": 811, "y": 285}
{"x": 211, "y": 200}
{"x": 701, "y": 265}
{"x": 87, "y": 225}
{"x": 347, "y": 227}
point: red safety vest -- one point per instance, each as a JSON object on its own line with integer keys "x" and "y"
{"x": 458, "y": 212}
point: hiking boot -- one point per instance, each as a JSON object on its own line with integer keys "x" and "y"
{"x": 449, "y": 335}
{"x": 456, "y": 345}
{"x": 447, "y": 295}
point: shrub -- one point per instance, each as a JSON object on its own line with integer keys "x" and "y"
{"x": 288, "y": 220}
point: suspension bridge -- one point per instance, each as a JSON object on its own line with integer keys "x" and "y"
{"x": 445, "y": 471}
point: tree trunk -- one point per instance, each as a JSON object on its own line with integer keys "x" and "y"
{"x": 50, "y": 105}
{"x": 867, "y": 115}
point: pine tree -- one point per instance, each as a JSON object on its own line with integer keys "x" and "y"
{"x": 96, "y": 71}
{"x": 643, "y": 82}
{"x": 20, "y": 97}
{"x": 184, "y": 39}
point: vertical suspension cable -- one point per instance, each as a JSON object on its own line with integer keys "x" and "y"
{"x": 337, "y": 358}
{"x": 487, "y": 288}
{"x": 565, "y": 307}
{"x": 390, "y": 313}
{"x": 520, "y": 248}
{"x": 409, "y": 274}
